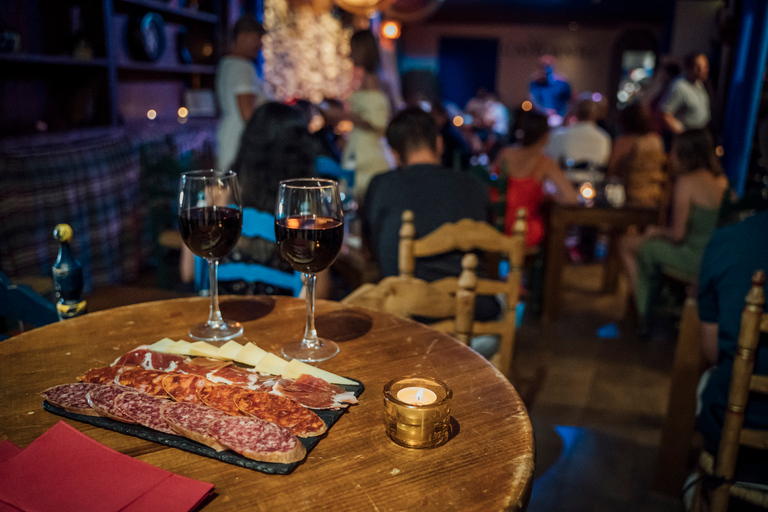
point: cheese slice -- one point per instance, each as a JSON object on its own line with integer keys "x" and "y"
{"x": 201, "y": 348}
{"x": 250, "y": 354}
{"x": 181, "y": 348}
{"x": 162, "y": 345}
{"x": 271, "y": 364}
{"x": 295, "y": 368}
{"x": 229, "y": 350}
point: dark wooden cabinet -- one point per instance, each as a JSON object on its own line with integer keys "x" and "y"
{"x": 68, "y": 64}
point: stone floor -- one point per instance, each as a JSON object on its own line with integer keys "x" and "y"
{"x": 596, "y": 404}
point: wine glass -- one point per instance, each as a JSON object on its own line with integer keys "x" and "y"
{"x": 210, "y": 221}
{"x": 309, "y": 228}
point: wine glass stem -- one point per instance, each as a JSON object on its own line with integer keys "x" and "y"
{"x": 214, "y": 314}
{"x": 310, "y": 334}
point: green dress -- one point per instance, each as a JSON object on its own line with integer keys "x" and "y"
{"x": 684, "y": 259}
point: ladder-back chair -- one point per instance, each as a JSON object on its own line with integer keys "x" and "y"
{"x": 470, "y": 235}
{"x": 743, "y": 383}
{"x": 410, "y": 297}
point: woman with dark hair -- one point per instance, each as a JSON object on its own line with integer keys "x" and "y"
{"x": 638, "y": 158}
{"x": 526, "y": 168}
{"x": 697, "y": 194}
{"x": 276, "y": 145}
{"x": 366, "y": 148}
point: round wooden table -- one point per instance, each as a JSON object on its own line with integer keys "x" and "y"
{"x": 486, "y": 465}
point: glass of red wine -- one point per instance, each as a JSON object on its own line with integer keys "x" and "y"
{"x": 309, "y": 228}
{"x": 210, "y": 221}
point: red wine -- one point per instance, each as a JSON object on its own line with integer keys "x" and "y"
{"x": 211, "y": 231}
{"x": 309, "y": 243}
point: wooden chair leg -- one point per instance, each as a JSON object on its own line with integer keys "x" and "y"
{"x": 679, "y": 422}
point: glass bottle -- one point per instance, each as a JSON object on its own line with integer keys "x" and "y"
{"x": 67, "y": 277}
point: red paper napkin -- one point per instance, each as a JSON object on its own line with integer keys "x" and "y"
{"x": 66, "y": 470}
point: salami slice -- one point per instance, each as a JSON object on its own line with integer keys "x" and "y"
{"x": 102, "y": 399}
{"x": 142, "y": 356}
{"x": 144, "y": 409}
{"x": 257, "y": 439}
{"x": 71, "y": 397}
{"x": 221, "y": 397}
{"x": 192, "y": 421}
{"x": 148, "y": 381}
{"x": 281, "y": 411}
{"x": 106, "y": 375}
{"x": 315, "y": 393}
{"x": 184, "y": 388}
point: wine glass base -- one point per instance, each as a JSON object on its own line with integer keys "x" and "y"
{"x": 320, "y": 350}
{"x": 216, "y": 334}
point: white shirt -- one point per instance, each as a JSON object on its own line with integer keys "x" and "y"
{"x": 234, "y": 76}
{"x": 688, "y": 103}
{"x": 582, "y": 142}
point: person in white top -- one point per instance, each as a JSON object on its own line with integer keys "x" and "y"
{"x": 686, "y": 102}
{"x": 583, "y": 141}
{"x": 238, "y": 89}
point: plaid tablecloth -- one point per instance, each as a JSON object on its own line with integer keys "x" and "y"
{"x": 93, "y": 184}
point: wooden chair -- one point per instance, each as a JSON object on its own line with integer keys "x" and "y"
{"x": 470, "y": 235}
{"x": 410, "y": 297}
{"x": 743, "y": 382}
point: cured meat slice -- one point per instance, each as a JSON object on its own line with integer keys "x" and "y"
{"x": 315, "y": 393}
{"x": 142, "y": 356}
{"x": 71, "y": 397}
{"x": 221, "y": 397}
{"x": 281, "y": 411}
{"x": 192, "y": 421}
{"x": 237, "y": 376}
{"x": 102, "y": 399}
{"x": 144, "y": 409}
{"x": 257, "y": 439}
{"x": 148, "y": 381}
{"x": 202, "y": 366}
{"x": 184, "y": 388}
{"x": 106, "y": 375}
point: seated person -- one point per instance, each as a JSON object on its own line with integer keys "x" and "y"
{"x": 276, "y": 145}
{"x": 638, "y": 158}
{"x": 434, "y": 194}
{"x": 731, "y": 257}
{"x": 696, "y": 197}
{"x": 526, "y": 167}
{"x": 582, "y": 142}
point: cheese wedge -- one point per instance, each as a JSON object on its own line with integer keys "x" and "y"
{"x": 162, "y": 345}
{"x": 295, "y": 368}
{"x": 201, "y": 348}
{"x": 181, "y": 348}
{"x": 250, "y": 354}
{"x": 229, "y": 350}
{"x": 271, "y": 364}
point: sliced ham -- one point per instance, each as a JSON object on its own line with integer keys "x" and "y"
{"x": 142, "y": 356}
{"x": 315, "y": 393}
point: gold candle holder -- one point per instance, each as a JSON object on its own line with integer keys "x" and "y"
{"x": 417, "y": 411}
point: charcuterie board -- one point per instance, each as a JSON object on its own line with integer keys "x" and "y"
{"x": 328, "y": 416}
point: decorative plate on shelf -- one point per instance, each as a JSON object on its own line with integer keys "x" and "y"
{"x": 146, "y": 37}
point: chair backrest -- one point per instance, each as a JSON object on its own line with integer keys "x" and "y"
{"x": 256, "y": 224}
{"x": 410, "y": 297}
{"x": 22, "y": 304}
{"x": 470, "y": 235}
{"x": 743, "y": 382}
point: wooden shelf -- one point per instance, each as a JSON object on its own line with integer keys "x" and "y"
{"x": 58, "y": 60}
{"x": 156, "y": 5}
{"x": 202, "y": 69}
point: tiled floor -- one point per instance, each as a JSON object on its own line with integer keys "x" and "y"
{"x": 596, "y": 405}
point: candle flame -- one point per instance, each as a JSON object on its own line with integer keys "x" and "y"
{"x": 419, "y": 396}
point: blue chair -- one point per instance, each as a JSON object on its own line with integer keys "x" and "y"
{"x": 22, "y": 304}
{"x": 256, "y": 224}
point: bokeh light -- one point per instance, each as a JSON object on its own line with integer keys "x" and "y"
{"x": 390, "y": 29}
{"x": 151, "y": 114}
{"x": 458, "y": 121}
{"x": 527, "y": 105}
{"x": 183, "y": 112}
{"x": 719, "y": 151}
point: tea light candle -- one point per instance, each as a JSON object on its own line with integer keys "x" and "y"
{"x": 417, "y": 411}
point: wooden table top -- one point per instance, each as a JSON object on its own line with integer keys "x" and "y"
{"x": 486, "y": 465}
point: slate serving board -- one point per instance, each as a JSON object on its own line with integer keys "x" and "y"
{"x": 182, "y": 443}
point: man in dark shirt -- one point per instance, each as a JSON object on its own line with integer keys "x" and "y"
{"x": 731, "y": 257}
{"x": 435, "y": 195}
